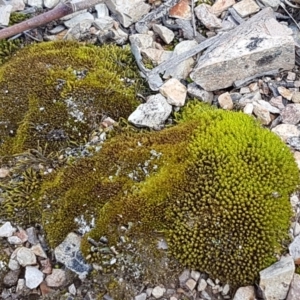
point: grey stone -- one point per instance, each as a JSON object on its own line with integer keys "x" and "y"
{"x": 143, "y": 41}
{"x": 294, "y": 292}
{"x": 14, "y": 240}
{"x": 202, "y": 285}
{"x": 196, "y": 91}
{"x": 245, "y": 293}
{"x": 156, "y": 56}
{"x": 6, "y": 230}
{"x": 291, "y": 114}
{"x": 286, "y": 131}
{"x": 20, "y": 285}
{"x": 72, "y": 289}
{"x": 258, "y": 45}
{"x": 17, "y": 5}
{"x": 296, "y": 97}
{"x": 195, "y": 275}
{"x": 33, "y": 277}
{"x": 271, "y": 3}
{"x": 50, "y": 3}
{"x": 246, "y": 7}
{"x": 142, "y": 296}
{"x": 206, "y": 17}
{"x": 102, "y": 10}
{"x": 69, "y": 254}
{"x": 294, "y": 249}
{"x": 37, "y": 3}
{"x": 32, "y": 237}
{"x": 277, "y": 102}
{"x": 26, "y": 257}
{"x": 275, "y": 280}
{"x": 294, "y": 142}
{"x": 184, "y": 276}
{"x": 268, "y": 106}
{"x": 57, "y": 278}
{"x": 221, "y": 5}
{"x": 225, "y": 289}
{"x": 38, "y": 250}
{"x": 79, "y": 19}
{"x": 104, "y": 23}
{"x": 13, "y": 264}
{"x": 165, "y": 33}
{"x": 151, "y": 114}
{"x": 11, "y": 278}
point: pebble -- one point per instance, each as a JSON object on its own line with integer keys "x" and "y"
{"x": 221, "y": 5}
{"x": 26, "y": 257}
{"x": 291, "y": 114}
{"x": 14, "y": 240}
{"x": 296, "y": 97}
{"x": 190, "y": 284}
{"x": 209, "y": 20}
{"x": 248, "y": 109}
{"x": 33, "y": 277}
{"x": 7, "y": 230}
{"x": 4, "y": 172}
{"x": 11, "y": 278}
{"x": 181, "y": 10}
{"x": 195, "y": 275}
{"x": 286, "y": 130}
{"x": 225, "y": 101}
{"x": 165, "y": 33}
{"x": 32, "y": 237}
{"x": 246, "y": 7}
{"x": 284, "y": 92}
{"x": 38, "y": 250}
{"x": 262, "y": 114}
{"x": 174, "y": 91}
{"x": 72, "y": 290}
{"x": 245, "y": 293}
{"x": 184, "y": 276}
{"x": 158, "y": 292}
{"x": 57, "y": 278}
{"x": 202, "y": 285}
{"x": 142, "y": 296}
{"x": 196, "y": 91}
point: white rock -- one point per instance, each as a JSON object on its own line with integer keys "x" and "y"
{"x": 183, "y": 69}
{"x": 5, "y": 11}
{"x": 221, "y": 5}
{"x": 56, "y": 279}
{"x": 157, "y": 56}
{"x": 275, "y": 280}
{"x": 33, "y": 277}
{"x": 195, "y": 275}
{"x": 128, "y": 11}
{"x": 37, "y": 3}
{"x": 294, "y": 292}
{"x": 143, "y": 41}
{"x": 104, "y": 23}
{"x": 174, "y": 91}
{"x": 246, "y": 7}
{"x": 20, "y": 286}
{"x": 294, "y": 249}
{"x": 142, "y": 296}
{"x": 245, "y": 293}
{"x": 206, "y": 17}
{"x": 190, "y": 284}
{"x": 4, "y": 172}
{"x": 17, "y": 5}
{"x": 158, "y": 292}
{"x": 50, "y": 3}
{"x": 78, "y": 19}
{"x": 72, "y": 289}
{"x": 151, "y": 114}
{"x": 165, "y": 33}
{"x": 25, "y": 257}
{"x": 297, "y": 158}
{"x": 7, "y": 230}
{"x": 284, "y": 92}
{"x": 202, "y": 285}
{"x": 271, "y": 3}
{"x": 102, "y": 10}
{"x": 286, "y": 130}
{"x": 268, "y": 106}
{"x": 38, "y": 250}
{"x": 260, "y": 44}
{"x": 262, "y": 114}
{"x": 225, "y": 101}
{"x": 13, "y": 264}
{"x": 248, "y": 109}
{"x": 196, "y": 91}
{"x": 296, "y": 228}
{"x": 210, "y": 282}
{"x": 225, "y": 289}
{"x": 14, "y": 240}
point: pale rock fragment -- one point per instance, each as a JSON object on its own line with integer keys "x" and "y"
{"x": 246, "y": 7}
{"x": 208, "y": 19}
{"x": 102, "y": 10}
{"x": 297, "y": 159}
{"x": 271, "y": 3}
{"x": 38, "y": 250}
{"x": 158, "y": 292}
{"x": 143, "y": 41}
{"x": 78, "y": 19}
{"x": 225, "y": 289}
{"x": 4, "y": 172}
{"x": 296, "y": 97}
{"x": 268, "y": 106}
{"x": 195, "y": 275}
{"x": 291, "y": 114}
{"x": 13, "y": 264}
{"x": 56, "y": 279}
{"x": 248, "y": 109}
{"x": 181, "y": 10}
{"x": 221, "y": 5}
{"x": 142, "y": 296}
{"x": 20, "y": 285}
{"x": 33, "y": 277}
{"x": 104, "y": 23}
{"x": 286, "y": 130}
{"x": 36, "y": 3}
{"x": 174, "y": 91}
{"x": 6, "y": 230}
{"x": 201, "y": 285}
{"x": 151, "y": 114}
{"x": 294, "y": 292}
{"x": 165, "y": 33}
{"x": 26, "y": 257}
{"x": 50, "y": 3}
{"x": 184, "y": 276}
{"x": 196, "y": 91}
{"x": 277, "y": 102}
{"x": 156, "y": 56}
{"x": 5, "y": 11}
{"x": 244, "y": 90}
{"x": 245, "y": 293}
{"x": 284, "y": 92}
{"x": 225, "y": 101}
{"x": 72, "y": 289}
{"x": 275, "y": 280}
{"x": 262, "y": 114}
{"x": 294, "y": 247}
{"x": 14, "y": 240}
{"x": 191, "y": 284}
{"x": 17, "y": 5}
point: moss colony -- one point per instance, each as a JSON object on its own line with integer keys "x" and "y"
{"x": 56, "y": 93}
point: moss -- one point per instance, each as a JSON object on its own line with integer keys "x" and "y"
{"x": 61, "y": 91}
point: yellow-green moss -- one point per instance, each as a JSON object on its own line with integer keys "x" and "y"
{"x": 56, "y": 93}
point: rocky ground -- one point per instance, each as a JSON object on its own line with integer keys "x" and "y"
{"x": 239, "y": 55}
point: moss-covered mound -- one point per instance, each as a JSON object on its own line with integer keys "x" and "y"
{"x": 216, "y": 185}
{"x": 56, "y": 93}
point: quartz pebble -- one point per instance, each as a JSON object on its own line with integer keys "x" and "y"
{"x": 225, "y": 101}
{"x": 33, "y": 277}
{"x": 7, "y": 230}
{"x": 158, "y": 292}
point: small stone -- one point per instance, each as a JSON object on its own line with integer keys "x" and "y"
{"x": 248, "y": 109}
{"x": 20, "y": 285}
{"x": 165, "y": 33}
{"x": 5, "y": 11}
{"x": 79, "y": 19}
{"x": 26, "y": 257}
{"x": 190, "y": 284}
{"x": 291, "y": 76}
{"x": 46, "y": 266}
{"x": 205, "y": 295}
{"x": 202, "y": 285}
{"x": 296, "y": 97}
{"x": 156, "y": 56}
{"x": 221, "y": 5}
{"x": 13, "y": 264}
{"x": 245, "y": 90}
{"x": 253, "y": 87}
{"x": 158, "y": 292}
{"x": 45, "y": 290}
{"x": 36, "y": 3}
{"x": 102, "y": 10}
{"x": 174, "y": 91}
{"x": 262, "y": 114}
{"x": 246, "y": 7}
{"x": 57, "y": 278}
{"x": 245, "y": 293}
{"x": 275, "y": 280}
{"x": 296, "y": 228}
{"x": 105, "y": 23}
{"x": 209, "y": 20}
{"x": 195, "y": 275}
{"x": 277, "y": 102}
{"x": 4, "y": 172}
{"x": 286, "y": 130}
{"x": 11, "y": 278}
{"x": 32, "y": 237}
{"x": 294, "y": 249}
{"x": 72, "y": 289}
{"x": 210, "y": 282}
{"x": 294, "y": 142}
{"x": 141, "y": 40}
{"x": 184, "y": 276}
{"x": 291, "y": 114}
{"x": 284, "y": 92}
{"x": 268, "y": 106}
{"x": 294, "y": 291}
{"x": 225, "y": 101}
{"x": 195, "y": 90}
{"x": 38, "y": 250}
{"x": 6, "y": 230}
{"x": 17, "y": 5}
{"x": 181, "y": 10}
{"x": 33, "y": 277}
{"x": 142, "y": 296}
{"x": 226, "y": 289}
{"x": 271, "y": 3}
{"x": 50, "y": 3}
{"x": 297, "y": 158}
{"x": 14, "y": 240}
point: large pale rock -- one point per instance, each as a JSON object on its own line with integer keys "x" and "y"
{"x": 245, "y": 293}
{"x": 151, "y": 114}
{"x": 128, "y": 11}
{"x": 275, "y": 280}
{"x": 259, "y": 45}
{"x": 57, "y": 278}
{"x": 37, "y": 3}
{"x": 33, "y": 277}
{"x": 294, "y": 292}
{"x": 17, "y": 5}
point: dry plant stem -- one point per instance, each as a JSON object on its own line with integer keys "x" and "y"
{"x": 61, "y": 10}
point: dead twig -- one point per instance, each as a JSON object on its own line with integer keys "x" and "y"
{"x": 61, "y": 10}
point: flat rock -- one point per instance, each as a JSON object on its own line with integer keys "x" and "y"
{"x": 221, "y": 5}
{"x": 194, "y": 90}
{"x": 104, "y": 23}
{"x": 165, "y": 33}
{"x": 158, "y": 292}
{"x": 225, "y": 101}
{"x": 258, "y": 45}
{"x": 174, "y": 91}
{"x": 38, "y": 250}
{"x": 50, "y": 3}
{"x": 11, "y": 278}
{"x": 36, "y": 3}
{"x": 294, "y": 249}
{"x": 33, "y": 277}
{"x": 26, "y": 257}
{"x": 14, "y": 240}
{"x": 277, "y": 102}
{"x": 206, "y": 17}
{"x": 275, "y": 280}
{"x": 245, "y": 293}
{"x": 128, "y": 11}
{"x": 17, "y": 5}
{"x": 291, "y": 114}
{"x": 102, "y": 10}
{"x": 6, "y": 230}
{"x": 143, "y": 41}
{"x": 294, "y": 292}
{"x": 181, "y": 10}
{"x": 286, "y": 131}
{"x": 151, "y": 114}
{"x": 184, "y": 276}
{"x": 248, "y": 109}
{"x": 284, "y": 92}
{"x": 246, "y": 7}
{"x": 57, "y": 278}
{"x": 78, "y": 19}
{"x": 69, "y": 254}
{"x": 157, "y": 56}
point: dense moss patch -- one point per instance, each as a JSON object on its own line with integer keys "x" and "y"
{"x": 56, "y": 93}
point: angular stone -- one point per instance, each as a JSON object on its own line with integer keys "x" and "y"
{"x": 151, "y": 114}
{"x": 174, "y": 91}
{"x": 184, "y": 276}
{"x": 17, "y": 5}
{"x": 143, "y": 41}
{"x": 72, "y": 289}
{"x": 4, "y": 172}
{"x": 296, "y": 97}
{"x": 286, "y": 130}
{"x": 291, "y": 114}
{"x": 50, "y": 3}
{"x": 104, "y": 23}
{"x": 128, "y": 11}
{"x": 14, "y": 240}
{"x": 262, "y": 114}
{"x": 38, "y": 250}
{"x": 33, "y": 277}
{"x": 191, "y": 284}
{"x": 245, "y": 293}
{"x": 5, "y": 11}
{"x": 260, "y": 44}
{"x": 294, "y": 142}
{"x": 294, "y": 292}
{"x": 248, "y": 109}
{"x": 45, "y": 290}
{"x": 46, "y": 266}
{"x": 57, "y": 278}
{"x": 20, "y": 285}
{"x": 284, "y": 92}
{"x": 32, "y": 237}
{"x": 79, "y": 19}
{"x": 25, "y": 257}
{"x": 195, "y": 275}
{"x": 165, "y": 33}
{"x": 102, "y": 10}
{"x": 275, "y": 280}
{"x": 246, "y": 7}
{"x": 268, "y": 106}
{"x": 13, "y": 264}
{"x": 202, "y": 285}
{"x": 181, "y": 10}
{"x": 225, "y": 289}
{"x": 297, "y": 158}
{"x": 225, "y": 101}
{"x": 277, "y": 102}
{"x": 36, "y": 3}
{"x": 11, "y": 278}
{"x": 221, "y": 5}
{"x": 294, "y": 249}
{"x": 196, "y": 91}
{"x": 206, "y": 17}
{"x": 142, "y": 296}
{"x": 156, "y": 56}
{"x": 158, "y": 292}
{"x": 7, "y": 230}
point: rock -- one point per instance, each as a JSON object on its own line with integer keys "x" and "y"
{"x": 56, "y": 279}
{"x": 294, "y": 249}
{"x": 248, "y": 109}
{"x": 11, "y": 278}
{"x": 206, "y": 17}
{"x": 183, "y": 69}
{"x": 271, "y": 3}
{"x": 158, "y": 292}
{"x": 151, "y": 114}
{"x": 246, "y": 7}
{"x": 221, "y": 5}
{"x": 142, "y": 296}
{"x": 225, "y": 289}
{"x": 36, "y": 3}
{"x": 174, "y": 91}
{"x": 296, "y": 228}
{"x": 294, "y": 292}
{"x": 195, "y": 90}
{"x": 104, "y": 23}
{"x": 275, "y": 280}
{"x": 6, "y": 230}
{"x": 268, "y": 106}
{"x": 45, "y": 290}
{"x": 202, "y": 285}
{"x": 25, "y": 257}
{"x": 13, "y": 264}
{"x": 5, "y": 11}
{"x": 165, "y": 33}
{"x": 210, "y": 282}
{"x": 262, "y": 114}
{"x": 244, "y": 90}
{"x": 291, "y": 114}
{"x": 102, "y": 10}
{"x": 184, "y": 276}
{"x": 225, "y": 101}
{"x": 286, "y": 130}
{"x": 284, "y": 92}
{"x": 258, "y": 45}
{"x": 190, "y": 284}
{"x": 128, "y": 11}
{"x": 33, "y": 277}
{"x": 245, "y": 293}
{"x": 72, "y": 289}
{"x": 277, "y": 102}
{"x": 17, "y": 5}
{"x": 294, "y": 142}
{"x": 195, "y": 275}
{"x": 32, "y": 237}
{"x": 181, "y": 10}
{"x": 78, "y": 19}
{"x": 38, "y": 250}
{"x": 205, "y": 295}
{"x": 297, "y": 158}
{"x": 296, "y": 97}
{"x": 50, "y": 3}
{"x": 20, "y": 286}
{"x": 14, "y": 240}
{"x": 156, "y": 56}
{"x": 143, "y": 41}
{"x": 4, "y": 172}
{"x": 46, "y": 266}
{"x": 69, "y": 254}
